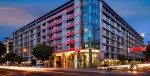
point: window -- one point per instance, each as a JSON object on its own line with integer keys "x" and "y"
{"x": 118, "y": 51}
{"x": 107, "y": 48}
{"x": 44, "y": 24}
{"x": 112, "y": 49}
{"x": 38, "y": 40}
{"x": 44, "y": 31}
{"x": 59, "y": 40}
{"x": 115, "y": 24}
{"x": 106, "y": 55}
{"x": 118, "y": 38}
{"x": 111, "y": 29}
{"x": 112, "y": 56}
{"x": 107, "y": 26}
{"x": 107, "y": 40}
{"x": 112, "y": 35}
{"x": 38, "y": 34}
{"x": 112, "y": 42}
{"x": 44, "y": 37}
{"x": 107, "y": 19}
{"x": 107, "y": 33}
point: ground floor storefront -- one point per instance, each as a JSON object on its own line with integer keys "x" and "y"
{"x": 75, "y": 59}
{"x": 79, "y": 59}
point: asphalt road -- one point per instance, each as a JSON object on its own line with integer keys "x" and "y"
{"x": 6, "y": 72}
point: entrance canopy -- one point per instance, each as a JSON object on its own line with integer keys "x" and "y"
{"x": 137, "y": 49}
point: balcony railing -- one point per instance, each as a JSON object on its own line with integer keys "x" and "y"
{"x": 62, "y": 12}
{"x": 55, "y": 37}
{"x": 56, "y": 44}
{"x": 70, "y": 33}
{"x": 55, "y": 30}
{"x": 73, "y": 41}
{"x": 43, "y": 28}
{"x": 55, "y": 23}
{"x": 71, "y": 49}
{"x": 73, "y": 24}
{"x": 43, "y": 34}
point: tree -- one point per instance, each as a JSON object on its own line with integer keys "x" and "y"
{"x": 2, "y": 49}
{"x": 10, "y": 56}
{"x": 18, "y": 59}
{"x": 2, "y": 60}
{"x": 42, "y": 52}
{"x": 147, "y": 52}
{"x": 122, "y": 58}
{"x": 33, "y": 62}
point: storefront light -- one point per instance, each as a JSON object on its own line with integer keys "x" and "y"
{"x": 86, "y": 45}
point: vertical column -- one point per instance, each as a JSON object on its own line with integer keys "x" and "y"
{"x": 77, "y": 28}
{"x": 46, "y": 33}
{"x": 75, "y": 60}
{"x": 102, "y": 54}
{"x": 64, "y": 31}
{"x": 72, "y": 56}
{"x": 54, "y": 61}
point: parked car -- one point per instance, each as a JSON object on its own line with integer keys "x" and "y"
{"x": 39, "y": 65}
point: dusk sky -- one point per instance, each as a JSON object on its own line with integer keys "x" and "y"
{"x": 17, "y": 13}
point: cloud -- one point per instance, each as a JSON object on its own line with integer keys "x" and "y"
{"x": 14, "y": 16}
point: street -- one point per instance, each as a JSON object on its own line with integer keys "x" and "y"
{"x": 57, "y": 72}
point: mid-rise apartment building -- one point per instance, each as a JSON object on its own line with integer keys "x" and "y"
{"x": 9, "y": 45}
{"x": 74, "y": 30}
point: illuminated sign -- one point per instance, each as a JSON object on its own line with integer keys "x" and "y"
{"x": 137, "y": 49}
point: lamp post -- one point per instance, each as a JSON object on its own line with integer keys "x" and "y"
{"x": 90, "y": 53}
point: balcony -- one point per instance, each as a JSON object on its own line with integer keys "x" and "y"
{"x": 73, "y": 32}
{"x": 71, "y": 49}
{"x": 55, "y": 23}
{"x": 58, "y": 29}
{"x": 56, "y": 44}
{"x": 55, "y": 30}
{"x": 70, "y": 17}
{"x": 43, "y": 28}
{"x": 43, "y": 34}
{"x": 55, "y": 37}
{"x": 73, "y": 24}
{"x": 70, "y": 33}
{"x": 44, "y": 40}
{"x": 70, "y": 41}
